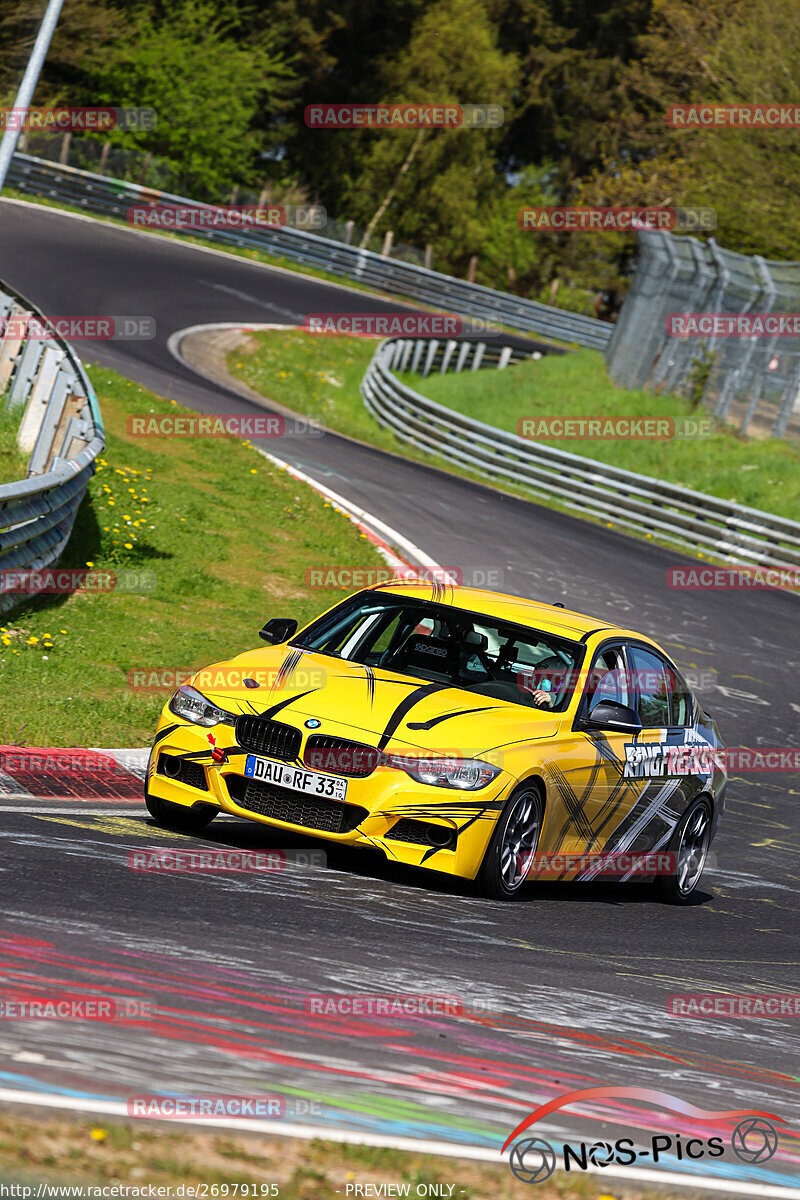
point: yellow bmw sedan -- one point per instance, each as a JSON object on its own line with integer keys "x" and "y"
{"x": 462, "y": 731}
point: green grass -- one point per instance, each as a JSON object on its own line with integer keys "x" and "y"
{"x": 320, "y": 376}
{"x": 760, "y": 473}
{"x": 73, "y": 1151}
{"x": 227, "y": 538}
{"x": 13, "y": 463}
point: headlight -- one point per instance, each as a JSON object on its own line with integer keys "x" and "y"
{"x": 192, "y": 706}
{"x": 465, "y": 774}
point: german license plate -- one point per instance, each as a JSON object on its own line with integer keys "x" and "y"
{"x": 312, "y": 783}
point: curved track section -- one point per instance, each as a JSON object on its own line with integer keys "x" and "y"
{"x": 564, "y": 990}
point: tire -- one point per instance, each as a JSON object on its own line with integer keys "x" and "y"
{"x": 690, "y": 843}
{"x": 177, "y": 816}
{"x": 516, "y": 835}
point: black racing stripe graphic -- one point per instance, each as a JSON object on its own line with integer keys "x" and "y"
{"x": 461, "y": 712}
{"x": 370, "y": 685}
{"x": 405, "y": 706}
{"x": 165, "y": 732}
{"x": 574, "y": 804}
{"x": 622, "y": 796}
{"x": 454, "y": 810}
{"x": 276, "y": 708}
{"x": 661, "y": 814}
{"x": 604, "y": 748}
{"x": 287, "y": 667}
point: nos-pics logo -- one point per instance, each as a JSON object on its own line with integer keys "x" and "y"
{"x": 533, "y": 1160}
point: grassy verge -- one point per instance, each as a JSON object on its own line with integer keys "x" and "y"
{"x": 216, "y": 539}
{"x": 81, "y": 1152}
{"x": 320, "y": 377}
{"x": 762, "y": 474}
{"x": 13, "y": 464}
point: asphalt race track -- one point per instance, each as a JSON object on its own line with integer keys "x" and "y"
{"x": 564, "y": 990}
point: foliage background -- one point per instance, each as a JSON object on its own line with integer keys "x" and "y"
{"x": 585, "y": 85}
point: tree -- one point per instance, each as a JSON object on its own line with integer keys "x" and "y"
{"x": 451, "y": 58}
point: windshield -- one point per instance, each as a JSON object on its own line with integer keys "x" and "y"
{"x": 450, "y": 646}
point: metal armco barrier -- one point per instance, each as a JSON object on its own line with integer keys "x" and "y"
{"x": 113, "y": 197}
{"x": 666, "y": 510}
{"x": 62, "y": 428}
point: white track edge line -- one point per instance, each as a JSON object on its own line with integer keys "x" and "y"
{"x": 117, "y": 1108}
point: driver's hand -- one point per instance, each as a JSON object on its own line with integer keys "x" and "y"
{"x": 544, "y": 699}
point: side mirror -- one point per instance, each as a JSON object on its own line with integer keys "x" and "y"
{"x": 279, "y": 629}
{"x": 607, "y": 714}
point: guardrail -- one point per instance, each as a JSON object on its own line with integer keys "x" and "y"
{"x": 62, "y": 428}
{"x": 112, "y": 197}
{"x": 666, "y": 510}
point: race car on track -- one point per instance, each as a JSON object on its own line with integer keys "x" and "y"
{"x": 463, "y": 731}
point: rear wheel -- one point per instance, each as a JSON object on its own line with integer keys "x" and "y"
{"x": 179, "y": 816}
{"x": 516, "y": 836}
{"x": 689, "y": 844}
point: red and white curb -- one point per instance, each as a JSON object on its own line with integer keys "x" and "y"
{"x": 38, "y": 774}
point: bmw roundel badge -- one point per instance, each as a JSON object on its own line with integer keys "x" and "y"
{"x": 313, "y": 723}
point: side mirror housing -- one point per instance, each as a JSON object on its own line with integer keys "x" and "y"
{"x": 279, "y": 629}
{"x": 607, "y": 714}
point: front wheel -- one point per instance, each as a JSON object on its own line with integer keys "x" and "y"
{"x": 515, "y": 838}
{"x": 689, "y": 844}
{"x": 178, "y": 816}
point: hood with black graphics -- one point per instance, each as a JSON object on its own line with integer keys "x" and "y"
{"x": 381, "y": 708}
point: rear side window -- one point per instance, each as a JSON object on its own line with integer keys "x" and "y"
{"x": 650, "y": 673}
{"x": 681, "y": 701}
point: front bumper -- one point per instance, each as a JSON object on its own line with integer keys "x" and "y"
{"x": 387, "y": 811}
